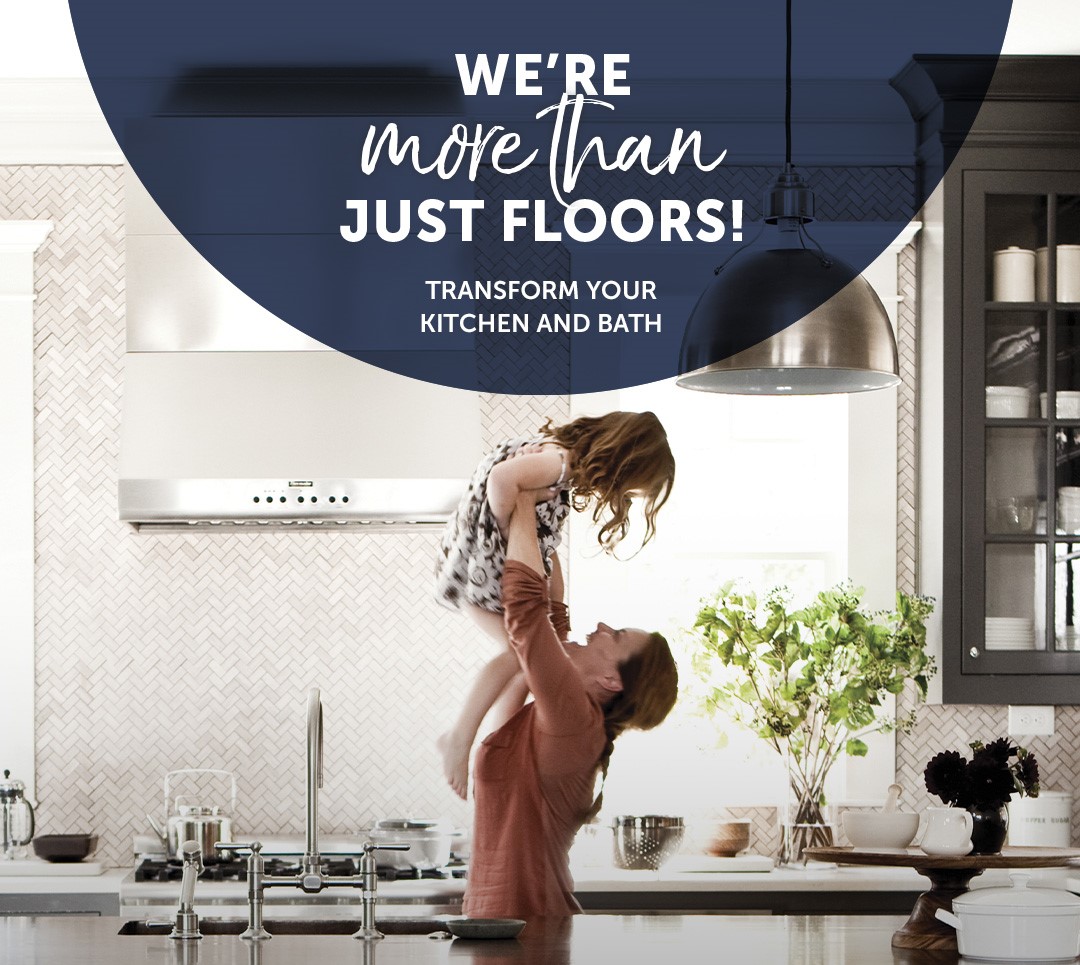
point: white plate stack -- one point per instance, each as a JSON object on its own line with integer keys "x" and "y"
{"x": 1068, "y": 509}
{"x": 1009, "y": 633}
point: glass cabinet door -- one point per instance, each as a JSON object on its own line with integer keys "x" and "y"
{"x": 1022, "y": 449}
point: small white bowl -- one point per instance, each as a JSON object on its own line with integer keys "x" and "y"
{"x": 880, "y": 829}
{"x": 1008, "y": 402}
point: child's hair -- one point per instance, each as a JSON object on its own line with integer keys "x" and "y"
{"x": 612, "y": 455}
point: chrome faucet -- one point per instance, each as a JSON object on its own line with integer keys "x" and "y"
{"x": 187, "y": 920}
{"x": 311, "y": 878}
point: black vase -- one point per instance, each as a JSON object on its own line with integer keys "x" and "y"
{"x": 989, "y": 826}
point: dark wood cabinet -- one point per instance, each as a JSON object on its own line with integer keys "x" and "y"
{"x": 1011, "y": 502}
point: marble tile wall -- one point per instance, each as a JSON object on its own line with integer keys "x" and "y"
{"x": 159, "y": 652}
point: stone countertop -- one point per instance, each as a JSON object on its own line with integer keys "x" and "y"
{"x": 815, "y": 877}
{"x": 108, "y": 882}
{"x": 586, "y": 939}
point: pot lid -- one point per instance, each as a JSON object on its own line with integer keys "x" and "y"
{"x": 11, "y": 789}
{"x": 409, "y": 824}
{"x": 198, "y": 810}
{"x": 1018, "y": 898}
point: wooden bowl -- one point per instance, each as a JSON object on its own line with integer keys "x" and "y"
{"x": 730, "y": 838}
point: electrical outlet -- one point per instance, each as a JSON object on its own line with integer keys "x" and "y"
{"x": 1031, "y": 721}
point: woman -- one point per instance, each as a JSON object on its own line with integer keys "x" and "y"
{"x": 534, "y": 777}
{"x": 600, "y": 462}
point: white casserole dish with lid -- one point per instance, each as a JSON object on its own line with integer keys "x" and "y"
{"x": 1016, "y": 924}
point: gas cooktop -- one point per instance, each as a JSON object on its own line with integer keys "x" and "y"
{"x": 152, "y": 869}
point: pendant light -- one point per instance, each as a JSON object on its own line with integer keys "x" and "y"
{"x": 822, "y": 327}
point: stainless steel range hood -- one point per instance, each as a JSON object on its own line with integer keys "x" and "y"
{"x": 289, "y": 438}
{"x": 233, "y": 418}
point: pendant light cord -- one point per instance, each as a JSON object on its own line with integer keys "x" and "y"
{"x": 787, "y": 91}
{"x": 804, "y": 235}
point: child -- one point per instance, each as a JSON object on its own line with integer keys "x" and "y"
{"x": 602, "y": 462}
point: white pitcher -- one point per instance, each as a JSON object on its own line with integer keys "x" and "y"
{"x": 947, "y": 833}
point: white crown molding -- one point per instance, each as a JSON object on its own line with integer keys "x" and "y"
{"x": 53, "y": 121}
{"x": 23, "y": 236}
{"x": 906, "y": 236}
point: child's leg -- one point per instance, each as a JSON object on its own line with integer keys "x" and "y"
{"x": 456, "y": 743}
{"x": 510, "y": 701}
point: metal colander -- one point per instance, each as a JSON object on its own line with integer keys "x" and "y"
{"x": 644, "y": 843}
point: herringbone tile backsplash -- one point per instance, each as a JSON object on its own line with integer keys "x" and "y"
{"x": 954, "y": 727}
{"x": 169, "y": 651}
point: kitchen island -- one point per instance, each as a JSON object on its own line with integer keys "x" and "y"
{"x": 586, "y": 939}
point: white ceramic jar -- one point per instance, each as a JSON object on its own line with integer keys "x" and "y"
{"x": 1014, "y": 275}
{"x": 1016, "y": 924}
{"x": 1068, "y": 274}
{"x": 1041, "y": 822}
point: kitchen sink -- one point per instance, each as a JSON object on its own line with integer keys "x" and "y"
{"x": 294, "y": 926}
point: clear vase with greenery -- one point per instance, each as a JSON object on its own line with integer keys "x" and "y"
{"x": 813, "y": 681}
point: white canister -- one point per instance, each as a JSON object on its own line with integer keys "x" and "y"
{"x": 1068, "y": 274}
{"x": 1014, "y": 275}
{"x": 1041, "y": 822}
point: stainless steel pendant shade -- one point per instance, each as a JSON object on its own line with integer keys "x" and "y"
{"x": 842, "y": 340}
{"x": 782, "y": 316}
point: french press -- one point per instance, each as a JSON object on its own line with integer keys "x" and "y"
{"x": 16, "y": 819}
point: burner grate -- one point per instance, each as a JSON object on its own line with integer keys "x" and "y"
{"x": 151, "y": 869}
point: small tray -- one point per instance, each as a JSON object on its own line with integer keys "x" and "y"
{"x": 36, "y": 867}
{"x": 715, "y": 864}
{"x": 485, "y": 927}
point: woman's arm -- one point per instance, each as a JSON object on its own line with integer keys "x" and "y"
{"x": 562, "y": 704}
{"x": 530, "y": 473}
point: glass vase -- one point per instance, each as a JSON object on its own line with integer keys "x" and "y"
{"x": 806, "y": 825}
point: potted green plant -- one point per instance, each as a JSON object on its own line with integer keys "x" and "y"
{"x": 811, "y": 681}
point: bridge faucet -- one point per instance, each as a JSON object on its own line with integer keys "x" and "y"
{"x": 311, "y": 878}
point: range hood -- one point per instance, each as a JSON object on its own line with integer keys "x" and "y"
{"x": 233, "y": 418}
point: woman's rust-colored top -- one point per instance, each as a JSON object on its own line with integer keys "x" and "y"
{"x": 533, "y": 777}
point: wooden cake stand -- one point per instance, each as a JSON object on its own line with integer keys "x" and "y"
{"x": 949, "y": 877}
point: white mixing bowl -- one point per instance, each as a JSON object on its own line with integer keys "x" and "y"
{"x": 880, "y": 829}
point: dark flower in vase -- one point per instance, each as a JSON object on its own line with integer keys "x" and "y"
{"x": 946, "y": 777}
{"x": 990, "y": 784}
{"x": 1027, "y": 773}
{"x": 999, "y": 751}
{"x": 988, "y": 781}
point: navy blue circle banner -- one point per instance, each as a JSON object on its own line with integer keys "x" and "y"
{"x": 505, "y": 197}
